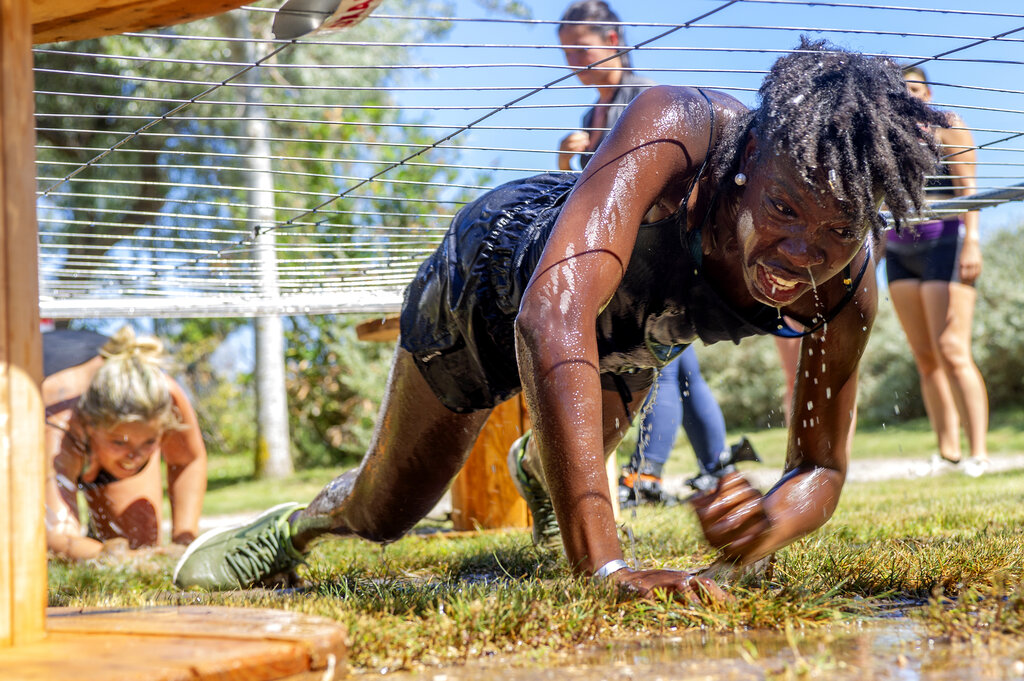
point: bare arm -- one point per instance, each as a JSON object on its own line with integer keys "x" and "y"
{"x": 959, "y": 152}
{"x": 185, "y": 454}
{"x": 747, "y": 526}
{"x": 659, "y": 139}
{"x": 63, "y": 528}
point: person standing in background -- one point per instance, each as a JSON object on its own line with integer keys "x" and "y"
{"x": 932, "y": 269}
{"x": 590, "y": 31}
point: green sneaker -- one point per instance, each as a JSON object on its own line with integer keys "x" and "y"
{"x": 545, "y": 525}
{"x": 240, "y": 556}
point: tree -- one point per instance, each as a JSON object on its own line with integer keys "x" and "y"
{"x": 116, "y": 186}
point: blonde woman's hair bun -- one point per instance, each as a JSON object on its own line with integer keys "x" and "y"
{"x": 125, "y": 344}
{"x": 130, "y": 385}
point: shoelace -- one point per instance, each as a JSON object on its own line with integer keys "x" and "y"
{"x": 260, "y": 557}
{"x": 541, "y": 500}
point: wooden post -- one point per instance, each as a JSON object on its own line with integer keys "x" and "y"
{"x": 483, "y": 495}
{"x": 22, "y": 464}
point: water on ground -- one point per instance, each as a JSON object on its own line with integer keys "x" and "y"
{"x": 888, "y": 650}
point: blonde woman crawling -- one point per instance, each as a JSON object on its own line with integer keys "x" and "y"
{"x": 112, "y": 413}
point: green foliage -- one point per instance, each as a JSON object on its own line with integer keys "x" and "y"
{"x": 510, "y": 8}
{"x": 747, "y": 381}
{"x": 335, "y": 384}
{"x": 999, "y": 326}
{"x": 223, "y": 397}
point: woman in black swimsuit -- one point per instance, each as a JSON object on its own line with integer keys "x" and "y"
{"x": 111, "y": 413}
{"x": 695, "y": 219}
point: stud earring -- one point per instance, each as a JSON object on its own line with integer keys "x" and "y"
{"x": 740, "y": 179}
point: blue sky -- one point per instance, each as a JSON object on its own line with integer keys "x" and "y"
{"x": 730, "y": 50}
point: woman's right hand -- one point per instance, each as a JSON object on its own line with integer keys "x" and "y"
{"x": 646, "y": 583}
{"x": 733, "y": 518}
{"x": 573, "y": 143}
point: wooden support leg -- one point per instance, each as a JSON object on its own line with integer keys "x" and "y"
{"x": 22, "y": 463}
{"x": 483, "y": 495}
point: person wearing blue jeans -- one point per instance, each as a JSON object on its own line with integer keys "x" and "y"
{"x": 680, "y": 395}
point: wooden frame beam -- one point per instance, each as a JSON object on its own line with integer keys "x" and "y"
{"x": 57, "y": 20}
{"x": 22, "y": 462}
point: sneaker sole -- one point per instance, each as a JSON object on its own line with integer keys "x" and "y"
{"x": 217, "y": 531}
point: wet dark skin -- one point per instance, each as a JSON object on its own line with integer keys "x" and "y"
{"x": 771, "y": 245}
{"x": 639, "y": 173}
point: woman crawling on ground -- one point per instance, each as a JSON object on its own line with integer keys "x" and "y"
{"x": 696, "y": 218}
{"x": 111, "y": 413}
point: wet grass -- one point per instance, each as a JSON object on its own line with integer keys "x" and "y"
{"x": 910, "y": 440}
{"x": 944, "y": 550}
{"x": 232, "y": 489}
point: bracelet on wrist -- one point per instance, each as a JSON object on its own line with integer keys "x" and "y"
{"x": 610, "y": 568}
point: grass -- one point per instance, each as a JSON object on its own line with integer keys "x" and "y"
{"x": 945, "y": 550}
{"x": 232, "y": 489}
{"x": 911, "y": 439}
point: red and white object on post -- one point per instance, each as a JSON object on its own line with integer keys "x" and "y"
{"x": 297, "y": 18}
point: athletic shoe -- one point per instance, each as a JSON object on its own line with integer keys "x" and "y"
{"x": 642, "y": 488}
{"x": 545, "y": 525}
{"x": 241, "y": 556}
{"x": 976, "y": 467}
{"x": 941, "y": 464}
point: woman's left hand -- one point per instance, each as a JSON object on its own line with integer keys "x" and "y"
{"x": 970, "y": 261}
{"x": 733, "y": 517}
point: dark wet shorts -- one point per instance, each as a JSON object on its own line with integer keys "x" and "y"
{"x": 459, "y": 312}
{"x": 927, "y": 259}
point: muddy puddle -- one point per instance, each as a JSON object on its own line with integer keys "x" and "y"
{"x": 888, "y": 650}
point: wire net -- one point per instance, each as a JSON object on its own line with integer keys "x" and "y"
{"x": 211, "y": 170}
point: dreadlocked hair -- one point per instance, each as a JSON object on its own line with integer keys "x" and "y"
{"x": 849, "y": 126}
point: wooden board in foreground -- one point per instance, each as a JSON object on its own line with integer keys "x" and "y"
{"x": 195, "y": 643}
{"x": 58, "y": 20}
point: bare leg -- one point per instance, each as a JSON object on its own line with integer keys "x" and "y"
{"x": 418, "y": 448}
{"x": 908, "y": 300}
{"x": 950, "y": 311}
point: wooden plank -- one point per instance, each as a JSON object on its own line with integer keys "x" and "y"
{"x": 322, "y": 636}
{"x": 381, "y": 330}
{"x": 23, "y": 576}
{"x": 181, "y": 643}
{"x": 57, "y": 20}
{"x": 483, "y": 495}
